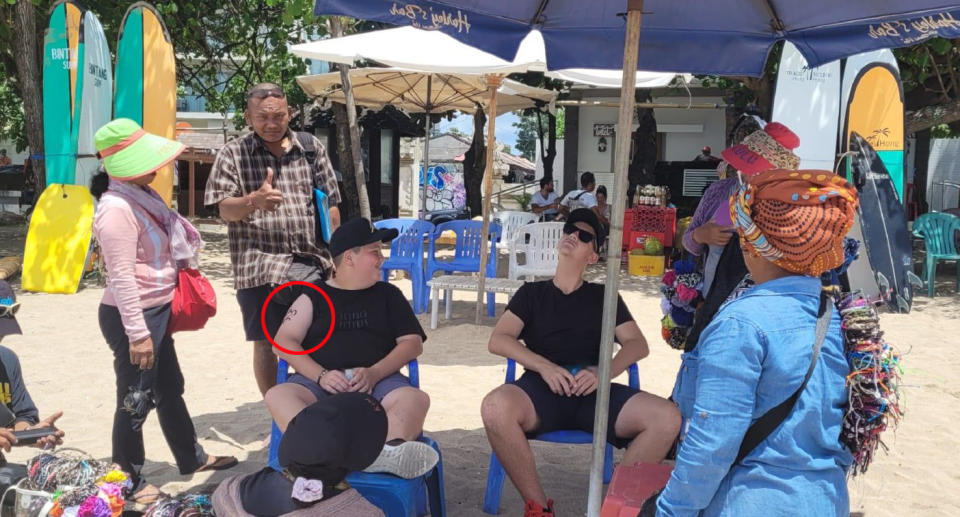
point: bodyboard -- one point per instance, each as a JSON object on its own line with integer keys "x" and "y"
{"x": 58, "y": 239}
{"x": 96, "y": 103}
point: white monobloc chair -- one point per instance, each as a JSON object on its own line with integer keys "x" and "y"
{"x": 538, "y": 242}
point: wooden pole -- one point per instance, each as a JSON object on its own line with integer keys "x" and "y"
{"x": 192, "y": 212}
{"x": 493, "y": 83}
{"x": 621, "y": 159}
{"x": 347, "y": 85}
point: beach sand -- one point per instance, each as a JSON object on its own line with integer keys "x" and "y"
{"x": 67, "y": 366}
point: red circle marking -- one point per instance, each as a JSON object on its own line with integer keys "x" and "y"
{"x": 263, "y": 318}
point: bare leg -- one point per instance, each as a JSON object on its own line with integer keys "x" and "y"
{"x": 264, "y": 366}
{"x": 507, "y": 415}
{"x": 406, "y": 410}
{"x": 286, "y": 401}
{"x": 653, "y": 422}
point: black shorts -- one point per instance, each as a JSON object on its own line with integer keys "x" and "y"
{"x": 251, "y": 306}
{"x": 558, "y": 412}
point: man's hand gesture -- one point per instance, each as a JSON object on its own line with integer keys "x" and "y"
{"x": 266, "y": 197}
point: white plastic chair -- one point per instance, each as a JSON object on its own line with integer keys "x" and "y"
{"x": 538, "y": 242}
{"x": 511, "y": 220}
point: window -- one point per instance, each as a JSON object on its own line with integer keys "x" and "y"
{"x": 386, "y": 157}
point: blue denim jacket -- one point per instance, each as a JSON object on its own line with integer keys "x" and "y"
{"x": 750, "y": 358}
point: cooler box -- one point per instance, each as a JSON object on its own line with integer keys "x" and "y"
{"x": 645, "y": 265}
{"x": 631, "y": 486}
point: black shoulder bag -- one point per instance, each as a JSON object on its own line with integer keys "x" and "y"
{"x": 771, "y": 420}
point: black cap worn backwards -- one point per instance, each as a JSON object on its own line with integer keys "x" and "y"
{"x": 586, "y": 215}
{"x": 358, "y": 232}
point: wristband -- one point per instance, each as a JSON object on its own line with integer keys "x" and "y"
{"x": 323, "y": 372}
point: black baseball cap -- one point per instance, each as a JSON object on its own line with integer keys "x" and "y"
{"x": 8, "y": 306}
{"x": 586, "y": 215}
{"x": 334, "y": 436}
{"x": 358, "y": 232}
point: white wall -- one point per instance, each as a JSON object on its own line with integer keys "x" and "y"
{"x": 11, "y": 148}
{"x": 679, "y": 143}
{"x": 681, "y": 146}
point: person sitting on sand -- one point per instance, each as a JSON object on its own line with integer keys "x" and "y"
{"x": 376, "y": 333}
{"x": 559, "y": 323}
{"x": 752, "y": 359}
{"x": 21, "y": 410}
{"x": 353, "y": 427}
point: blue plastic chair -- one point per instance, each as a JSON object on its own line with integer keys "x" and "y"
{"x": 397, "y": 497}
{"x": 406, "y": 253}
{"x": 939, "y": 232}
{"x": 466, "y": 258}
{"x": 496, "y": 474}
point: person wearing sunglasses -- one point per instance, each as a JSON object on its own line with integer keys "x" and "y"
{"x": 262, "y": 184}
{"x": 18, "y": 407}
{"x": 552, "y": 328}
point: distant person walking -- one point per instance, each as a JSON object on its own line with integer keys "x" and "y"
{"x": 263, "y": 185}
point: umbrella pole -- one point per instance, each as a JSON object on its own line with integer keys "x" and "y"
{"x": 426, "y": 152}
{"x": 624, "y": 126}
{"x": 493, "y": 83}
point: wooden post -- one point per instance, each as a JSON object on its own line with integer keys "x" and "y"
{"x": 493, "y": 83}
{"x": 192, "y": 212}
{"x": 624, "y": 126}
{"x": 347, "y": 87}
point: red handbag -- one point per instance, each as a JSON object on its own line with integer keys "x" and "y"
{"x": 194, "y": 302}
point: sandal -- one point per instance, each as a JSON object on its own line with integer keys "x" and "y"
{"x": 219, "y": 463}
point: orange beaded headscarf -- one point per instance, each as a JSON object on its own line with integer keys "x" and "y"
{"x": 795, "y": 219}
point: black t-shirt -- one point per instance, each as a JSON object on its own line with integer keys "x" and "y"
{"x": 368, "y": 323}
{"x": 564, "y": 328}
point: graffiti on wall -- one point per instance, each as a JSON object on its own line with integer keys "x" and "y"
{"x": 445, "y": 188}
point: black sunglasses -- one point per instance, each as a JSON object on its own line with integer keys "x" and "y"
{"x": 584, "y": 236}
{"x": 261, "y": 93}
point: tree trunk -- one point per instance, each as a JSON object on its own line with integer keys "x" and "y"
{"x": 643, "y": 164}
{"x": 29, "y": 53}
{"x": 922, "y": 158}
{"x": 474, "y": 164}
{"x": 353, "y": 131}
{"x": 934, "y": 115}
{"x": 350, "y": 205}
{"x": 551, "y": 151}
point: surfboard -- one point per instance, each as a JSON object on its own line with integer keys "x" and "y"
{"x": 873, "y": 104}
{"x": 884, "y": 226}
{"x": 58, "y": 239}
{"x": 807, "y": 100}
{"x": 96, "y": 97}
{"x": 61, "y": 54}
{"x": 146, "y": 81}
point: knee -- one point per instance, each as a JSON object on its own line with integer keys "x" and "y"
{"x": 419, "y": 399}
{"x": 274, "y": 398}
{"x": 496, "y": 409}
{"x": 668, "y": 419}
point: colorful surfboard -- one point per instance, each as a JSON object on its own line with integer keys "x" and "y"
{"x": 58, "y": 239}
{"x": 96, "y": 97}
{"x": 873, "y": 104}
{"x": 807, "y": 100}
{"x": 146, "y": 81}
{"x": 61, "y": 54}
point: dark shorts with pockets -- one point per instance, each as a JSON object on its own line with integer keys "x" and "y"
{"x": 558, "y": 412}
{"x": 251, "y": 299}
{"x": 380, "y": 390}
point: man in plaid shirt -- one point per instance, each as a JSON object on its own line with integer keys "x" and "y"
{"x": 263, "y": 185}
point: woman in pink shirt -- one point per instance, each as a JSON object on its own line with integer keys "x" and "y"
{"x": 143, "y": 242}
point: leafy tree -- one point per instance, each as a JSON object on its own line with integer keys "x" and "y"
{"x": 527, "y": 136}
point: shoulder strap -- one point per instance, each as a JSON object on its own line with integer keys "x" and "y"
{"x": 578, "y": 196}
{"x": 309, "y": 150}
{"x": 766, "y": 424}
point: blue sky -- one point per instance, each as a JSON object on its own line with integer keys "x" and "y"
{"x": 506, "y": 133}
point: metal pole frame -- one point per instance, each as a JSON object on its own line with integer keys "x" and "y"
{"x": 426, "y": 151}
{"x": 624, "y": 126}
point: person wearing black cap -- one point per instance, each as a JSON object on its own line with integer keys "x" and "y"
{"x": 19, "y": 412}
{"x": 559, "y": 324}
{"x": 374, "y": 334}
{"x": 353, "y": 427}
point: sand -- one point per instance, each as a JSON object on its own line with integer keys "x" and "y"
{"x": 67, "y": 366}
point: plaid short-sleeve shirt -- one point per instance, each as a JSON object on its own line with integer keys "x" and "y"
{"x": 263, "y": 244}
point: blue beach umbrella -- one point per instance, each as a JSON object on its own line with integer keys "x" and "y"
{"x": 716, "y": 37}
